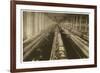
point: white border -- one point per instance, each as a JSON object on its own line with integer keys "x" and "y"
{"x": 20, "y": 65}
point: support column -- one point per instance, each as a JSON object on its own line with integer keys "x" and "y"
{"x": 76, "y": 24}
{"x": 36, "y": 23}
{"x": 80, "y": 18}
{"x": 39, "y": 21}
{"x": 24, "y": 25}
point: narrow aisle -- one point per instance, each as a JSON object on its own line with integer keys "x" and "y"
{"x": 58, "y": 50}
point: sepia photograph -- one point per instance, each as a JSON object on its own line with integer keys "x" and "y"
{"x": 52, "y": 36}
{"x": 55, "y": 36}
